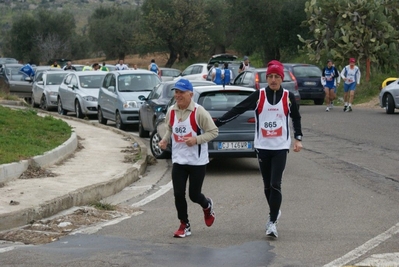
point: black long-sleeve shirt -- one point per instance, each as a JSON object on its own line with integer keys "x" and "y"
{"x": 251, "y": 102}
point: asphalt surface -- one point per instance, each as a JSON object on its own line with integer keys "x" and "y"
{"x": 93, "y": 167}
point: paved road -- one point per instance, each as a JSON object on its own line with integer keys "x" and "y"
{"x": 340, "y": 206}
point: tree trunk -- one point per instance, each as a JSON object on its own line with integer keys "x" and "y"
{"x": 172, "y": 58}
{"x": 367, "y": 69}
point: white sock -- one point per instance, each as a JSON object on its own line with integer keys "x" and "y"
{"x": 350, "y": 104}
{"x": 346, "y": 103}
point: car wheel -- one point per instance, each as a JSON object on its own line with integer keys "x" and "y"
{"x": 119, "y": 123}
{"x": 142, "y": 132}
{"x": 60, "y": 110}
{"x": 156, "y": 151}
{"x": 389, "y": 104}
{"x": 101, "y": 118}
{"x": 43, "y": 103}
{"x": 318, "y": 101}
{"x": 34, "y": 105}
{"x": 78, "y": 110}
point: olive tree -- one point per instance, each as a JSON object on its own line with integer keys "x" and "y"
{"x": 360, "y": 28}
{"x": 177, "y": 26}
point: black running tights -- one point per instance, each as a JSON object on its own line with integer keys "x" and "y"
{"x": 272, "y": 165}
{"x": 195, "y": 175}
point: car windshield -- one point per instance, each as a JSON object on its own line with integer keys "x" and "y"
{"x": 170, "y": 73}
{"x": 91, "y": 81}
{"x": 55, "y": 79}
{"x": 137, "y": 82}
{"x": 222, "y": 100}
{"x": 222, "y": 59}
{"x": 307, "y": 72}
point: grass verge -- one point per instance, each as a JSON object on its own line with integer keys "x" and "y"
{"x": 24, "y": 134}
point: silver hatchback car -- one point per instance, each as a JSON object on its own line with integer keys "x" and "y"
{"x": 120, "y": 94}
{"x": 79, "y": 92}
{"x": 45, "y": 89}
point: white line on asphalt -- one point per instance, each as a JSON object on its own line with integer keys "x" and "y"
{"x": 363, "y": 249}
{"x": 6, "y": 249}
{"x": 164, "y": 189}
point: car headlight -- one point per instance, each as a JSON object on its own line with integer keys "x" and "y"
{"x": 52, "y": 93}
{"x": 90, "y": 98}
{"x": 130, "y": 104}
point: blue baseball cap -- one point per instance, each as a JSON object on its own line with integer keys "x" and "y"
{"x": 183, "y": 85}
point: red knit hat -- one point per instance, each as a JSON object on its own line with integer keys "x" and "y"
{"x": 352, "y": 60}
{"x": 275, "y": 67}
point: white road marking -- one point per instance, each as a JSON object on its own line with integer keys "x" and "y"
{"x": 363, "y": 249}
{"x": 164, "y": 189}
{"x": 381, "y": 260}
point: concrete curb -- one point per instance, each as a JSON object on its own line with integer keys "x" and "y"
{"x": 82, "y": 196}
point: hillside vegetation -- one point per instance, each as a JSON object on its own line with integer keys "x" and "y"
{"x": 81, "y": 9}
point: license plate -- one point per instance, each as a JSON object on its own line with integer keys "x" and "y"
{"x": 310, "y": 83}
{"x": 234, "y": 145}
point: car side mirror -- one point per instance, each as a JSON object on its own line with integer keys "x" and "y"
{"x": 142, "y": 98}
{"x": 111, "y": 88}
{"x": 28, "y": 79}
{"x": 70, "y": 86}
{"x": 40, "y": 83}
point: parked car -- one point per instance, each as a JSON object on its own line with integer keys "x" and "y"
{"x": 45, "y": 89}
{"x": 120, "y": 93}
{"x": 16, "y": 82}
{"x": 235, "y": 139}
{"x": 256, "y": 78}
{"x": 7, "y": 60}
{"x": 388, "y": 81}
{"x": 78, "y": 67}
{"x": 168, "y": 74}
{"x": 78, "y": 92}
{"x": 196, "y": 71}
{"x": 389, "y": 97}
{"x": 220, "y": 58}
{"x": 155, "y": 102}
{"x": 309, "y": 82}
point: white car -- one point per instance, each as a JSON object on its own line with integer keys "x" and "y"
{"x": 389, "y": 97}
{"x": 79, "y": 93}
{"x": 197, "y": 71}
{"x": 45, "y": 88}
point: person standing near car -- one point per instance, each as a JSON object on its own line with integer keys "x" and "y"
{"x": 216, "y": 74}
{"x": 351, "y": 76}
{"x": 191, "y": 128}
{"x": 55, "y": 65}
{"x": 273, "y": 106}
{"x": 153, "y": 67}
{"x": 104, "y": 68}
{"x": 121, "y": 65}
{"x": 330, "y": 81}
{"x": 227, "y": 74}
{"x": 244, "y": 65}
{"x": 69, "y": 66}
{"x": 28, "y": 70}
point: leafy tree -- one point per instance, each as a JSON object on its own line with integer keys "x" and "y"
{"x": 112, "y": 30}
{"x": 41, "y": 35}
{"x": 178, "y": 26}
{"x": 366, "y": 30}
{"x": 269, "y": 30}
{"x": 220, "y": 32}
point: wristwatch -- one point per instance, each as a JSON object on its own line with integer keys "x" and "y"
{"x": 298, "y": 137}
